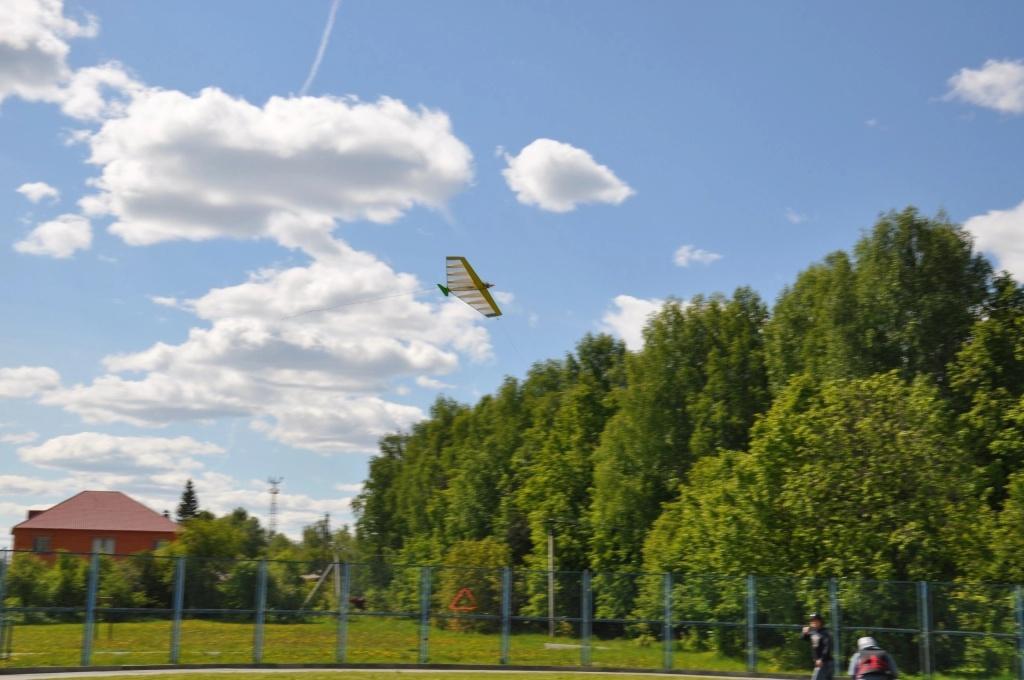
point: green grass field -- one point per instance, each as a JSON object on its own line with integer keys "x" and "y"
{"x": 370, "y": 640}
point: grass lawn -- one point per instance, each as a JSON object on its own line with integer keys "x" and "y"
{"x": 370, "y": 640}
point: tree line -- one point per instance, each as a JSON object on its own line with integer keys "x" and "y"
{"x": 868, "y": 424}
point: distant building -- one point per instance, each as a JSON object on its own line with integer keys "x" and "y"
{"x": 94, "y": 521}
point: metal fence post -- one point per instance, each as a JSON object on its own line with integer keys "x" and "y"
{"x": 346, "y": 584}
{"x": 751, "y": 624}
{"x": 924, "y": 626}
{"x": 837, "y": 623}
{"x": 261, "y": 613}
{"x": 667, "y": 641}
{"x": 1019, "y": 607}
{"x": 90, "y": 608}
{"x": 3, "y": 609}
{"x": 586, "y": 599}
{"x": 506, "y": 614}
{"x": 179, "y": 605}
{"x": 424, "y": 614}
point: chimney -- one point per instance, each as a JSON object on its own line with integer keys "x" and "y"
{"x": 33, "y": 513}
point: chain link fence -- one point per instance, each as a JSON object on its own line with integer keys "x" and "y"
{"x": 79, "y": 610}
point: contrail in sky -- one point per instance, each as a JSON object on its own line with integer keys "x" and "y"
{"x": 323, "y": 46}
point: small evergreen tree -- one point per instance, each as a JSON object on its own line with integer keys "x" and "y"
{"x": 189, "y": 505}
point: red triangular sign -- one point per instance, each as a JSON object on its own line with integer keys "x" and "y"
{"x": 464, "y": 601}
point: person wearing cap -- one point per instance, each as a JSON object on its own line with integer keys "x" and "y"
{"x": 821, "y": 647}
{"x": 871, "y": 662}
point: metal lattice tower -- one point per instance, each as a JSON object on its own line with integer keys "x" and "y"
{"x": 275, "y": 483}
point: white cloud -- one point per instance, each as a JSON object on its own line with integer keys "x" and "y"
{"x": 687, "y": 255}
{"x": 181, "y": 167}
{"x": 997, "y": 85}
{"x": 33, "y": 62}
{"x": 21, "y": 485}
{"x": 794, "y": 217}
{"x": 33, "y": 48}
{"x": 98, "y": 452}
{"x": 18, "y": 437}
{"x": 98, "y": 92}
{"x": 1001, "y": 234}
{"x": 27, "y": 381}
{"x": 306, "y": 379}
{"x": 558, "y": 177}
{"x": 349, "y": 488}
{"x": 37, "y": 191}
{"x": 59, "y": 238}
{"x": 432, "y": 383}
{"x": 628, "y": 318}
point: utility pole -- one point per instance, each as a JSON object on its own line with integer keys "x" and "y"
{"x": 275, "y": 483}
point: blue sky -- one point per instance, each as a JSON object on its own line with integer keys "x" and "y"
{"x": 171, "y": 203}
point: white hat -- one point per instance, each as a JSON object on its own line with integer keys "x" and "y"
{"x": 866, "y": 642}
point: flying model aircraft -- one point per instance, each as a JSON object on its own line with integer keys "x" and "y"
{"x": 463, "y": 283}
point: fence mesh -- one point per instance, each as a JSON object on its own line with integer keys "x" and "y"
{"x": 79, "y": 610}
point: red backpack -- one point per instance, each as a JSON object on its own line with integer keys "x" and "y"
{"x": 873, "y": 662}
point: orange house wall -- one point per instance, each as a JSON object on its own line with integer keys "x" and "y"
{"x": 79, "y": 541}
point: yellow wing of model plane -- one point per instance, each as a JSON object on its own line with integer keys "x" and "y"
{"x": 463, "y": 283}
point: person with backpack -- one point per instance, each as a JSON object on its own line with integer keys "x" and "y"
{"x": 821, "y": 647}
{"x": 871, "y": 662}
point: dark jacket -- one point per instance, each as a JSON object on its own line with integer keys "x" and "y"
{"x": 821, "y": 644}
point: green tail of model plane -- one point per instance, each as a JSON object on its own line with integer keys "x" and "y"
{"x": 444, "y": 290}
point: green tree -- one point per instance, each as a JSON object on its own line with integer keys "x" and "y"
{"x": 987, "y": 380}
{"x": 188, "y": 507}
{"x": 696, "y": 386}
{"x": 906, "y": 301}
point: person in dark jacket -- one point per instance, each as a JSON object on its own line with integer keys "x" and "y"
{"x": 821, "y": 648}
{"x": 871, "y": 662}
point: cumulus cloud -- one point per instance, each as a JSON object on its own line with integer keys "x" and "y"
{"x": 27, "y": 381}
{"x": 306, "y": 379}
{"x": 431, "y": 383}
{"x": 23, "y": 485}
{"x": 59, "y": 238}
{"x": 1001, "y": 234}
{"x": 37, "y": 191}
{"x": 18, "y": 437}
{"x": 628, "y": 317}
{"x": 34, "y": 48}
{"x": 174, "y": 166}
{"x": 687, "y": 255}
{"x": 997, "y": 85}
{"x": 33, "y": 62}
{"x": 98, "y": 92}
{"x": 556, "y": 176}
{"x": 95, "y": 451}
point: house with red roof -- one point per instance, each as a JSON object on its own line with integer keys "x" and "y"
{"x": 95, "y": 521}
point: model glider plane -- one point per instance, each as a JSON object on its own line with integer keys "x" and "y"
{"x": 464, "y": 284}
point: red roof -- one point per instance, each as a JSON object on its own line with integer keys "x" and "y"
{"x": 100, "y": 511}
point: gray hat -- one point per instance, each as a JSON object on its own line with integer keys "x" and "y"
{"x": 866, "y": 643}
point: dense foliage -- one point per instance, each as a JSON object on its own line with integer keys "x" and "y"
{"x": 870, "y": 424}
